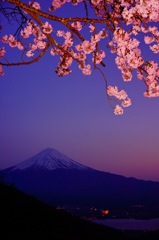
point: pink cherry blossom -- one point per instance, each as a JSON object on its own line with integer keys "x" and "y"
{"x": 2, "y": 52}
{"x": 35, "y": 5}
{"x": 88, "y": 47}
{"x": 92, "y": 28}
{"x": 155, "y": 48}
{"x": 98, "y": 56}
{"x": 86, "y": 69}
{"x": 4, "y": 39}
{"x": 118, "y": 110}
{"x": 1, "y": 71}
{"x": 47, "y": 28}
{"x": 77, "y": 25}
{"x": 29, "y": 53}
{"x": 95, "y": 2}
{"x": 149, "y": 39}
{"x": 126, "y": 102}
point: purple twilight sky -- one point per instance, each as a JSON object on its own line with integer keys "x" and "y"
{"x": 38, "y": 110}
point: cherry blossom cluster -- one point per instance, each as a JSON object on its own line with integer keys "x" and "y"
{"x": 150, "y": 74}
{"x": 146, "y": 10}
{"x": 153, "y": 37}
{"x": 12, "y": 42}
{"x": 79, "y": 52}
{"x": 32, "y": 29}
{"x": 119, "y": 96}
{"x": 128, "y": 53}
{"x": 58, "y": 4}
{"x": 35, "y": 5}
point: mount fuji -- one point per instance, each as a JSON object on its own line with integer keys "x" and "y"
{"x": 57, "y": 180}
{"x": 49, "y": 159}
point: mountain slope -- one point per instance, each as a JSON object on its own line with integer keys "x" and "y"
{"x": 59, "y": 181}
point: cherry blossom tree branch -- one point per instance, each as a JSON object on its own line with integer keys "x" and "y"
{"x": 36, "y": 59}
{"x": 116, "y": 23}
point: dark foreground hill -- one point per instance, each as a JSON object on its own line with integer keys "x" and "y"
{"x": 22, "y": 217}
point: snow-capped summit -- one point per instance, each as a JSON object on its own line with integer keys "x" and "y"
{"x": 49, "y": 159}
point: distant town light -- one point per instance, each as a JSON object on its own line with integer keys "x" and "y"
{"x": 105, "y": 212}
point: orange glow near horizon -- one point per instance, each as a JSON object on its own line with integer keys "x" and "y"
{"x": 105, "y": 212}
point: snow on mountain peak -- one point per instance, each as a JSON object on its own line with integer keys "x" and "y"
{"x": 50, "y": 159}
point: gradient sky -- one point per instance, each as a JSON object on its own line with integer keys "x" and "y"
{"x": 38, "y": 110}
